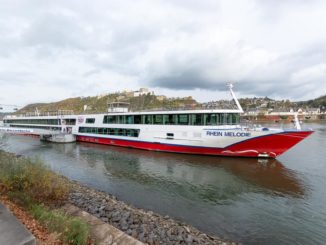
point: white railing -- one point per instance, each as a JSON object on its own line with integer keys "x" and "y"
{"x": 43, "y": 114}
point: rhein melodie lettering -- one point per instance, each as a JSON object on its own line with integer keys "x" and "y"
{"x": 228, "y": 134}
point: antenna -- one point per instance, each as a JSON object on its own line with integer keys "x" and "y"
{"x": 37, "y": 112}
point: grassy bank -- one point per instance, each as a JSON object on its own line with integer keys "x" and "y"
{"x": 39, "y": 191}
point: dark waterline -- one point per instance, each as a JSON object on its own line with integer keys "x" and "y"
{"x": 248, "y": 200}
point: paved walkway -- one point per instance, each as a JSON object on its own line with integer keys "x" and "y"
{"x": 12, "y": 232}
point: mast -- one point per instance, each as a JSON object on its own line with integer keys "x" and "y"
{"x": 296, "y": 121}
{"x": 230, "y": 85}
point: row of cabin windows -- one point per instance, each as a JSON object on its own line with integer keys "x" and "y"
{"x": 34, "y": 121}
{"x": 175, "y": 119}
{"x": 70, "y": 121}
{"x": 110, "y": 131}
{"x": 40, "y": 121}
{"x": 37, "y": 127}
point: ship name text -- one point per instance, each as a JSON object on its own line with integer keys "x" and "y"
{"x": 227, "y": 134}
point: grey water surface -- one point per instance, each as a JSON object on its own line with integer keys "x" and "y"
{"x": 254, "y": 201}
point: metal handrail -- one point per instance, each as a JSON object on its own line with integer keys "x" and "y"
{"x": 42, "y": 114}
{"x": 186, "y": 108}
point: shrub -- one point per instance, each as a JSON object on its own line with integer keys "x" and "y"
{"x": 28, "y": 182}
{"x": 32, "y": 177}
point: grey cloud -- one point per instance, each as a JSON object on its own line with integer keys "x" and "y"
{"x": 56, "y": 31}
{"x": 178, "y": 45}
{"x": 185, "y": 80}
{"x": 274, "y": 79}
{"x": 15, "y": 77}
{"x": 195, "y": 6}
{"x": 91, "y": 72}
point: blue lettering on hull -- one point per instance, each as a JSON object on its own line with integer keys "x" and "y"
{"x": 228, "y": 134}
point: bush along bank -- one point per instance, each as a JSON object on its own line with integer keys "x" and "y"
{"x": 39, "y": 190}
{"x": 143, "y": 225}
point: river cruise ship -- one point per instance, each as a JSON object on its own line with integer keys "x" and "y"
{"x": 208, "y": 132}
{"x": 36, "y": 123}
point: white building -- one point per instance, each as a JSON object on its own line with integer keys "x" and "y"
{"x": 142, "y": 91}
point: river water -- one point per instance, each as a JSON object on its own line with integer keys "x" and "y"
{"x": 249, "y": 200}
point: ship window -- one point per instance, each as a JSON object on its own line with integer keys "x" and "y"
{"x": 235, "y": 118}
{"x": 211, "y": 119}
{"x": 129, "y": 119}
{"x": 222, "y": 118}
{"x": 90, "y": 120}
{"x": 183, "y": 119}
{"x": 70, "y": 121}
{"x": 158, "y": 119}
{"x": 121, "y": 132}
{"x": 111, "y": 131}
{"x": 110, "y": 119}
{"x": 229, "y": 119}
{"x": 217, "y": 118}
{"x": 121, "y": 119}
{"x": 197, "y": 119}
{"x": 137, "y": 119}
{"x": 148, "y": 119}
{"x": 169, "y": 119}
{"x": 128, "y": 132}
{"x": 136, "y": 132}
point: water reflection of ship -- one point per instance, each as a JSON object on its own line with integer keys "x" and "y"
{"x": 212, "y": 178}
{"x": 2, "y": 139}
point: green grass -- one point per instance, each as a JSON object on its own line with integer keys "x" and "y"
{"x": 72, "y": 230}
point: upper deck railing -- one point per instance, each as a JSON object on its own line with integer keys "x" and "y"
{"x": 42, "y": 114}
{"x": 190, "y": 108}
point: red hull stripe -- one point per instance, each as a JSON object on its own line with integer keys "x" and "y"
{"x": 300, "y": 134}
{"x": 271, "y": 145}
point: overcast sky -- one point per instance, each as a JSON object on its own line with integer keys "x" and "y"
{"x": 51, "y": 50}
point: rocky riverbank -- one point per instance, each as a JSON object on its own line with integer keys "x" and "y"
{"x": 145, "y": 226}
